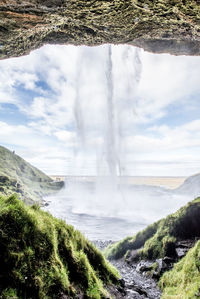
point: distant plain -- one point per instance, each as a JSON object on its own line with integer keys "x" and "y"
{"x": 163, "y": 181}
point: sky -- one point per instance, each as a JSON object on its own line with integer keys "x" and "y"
{"x": 55, "y": 113}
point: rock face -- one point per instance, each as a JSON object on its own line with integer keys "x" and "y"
{"x": 171, "y": 26}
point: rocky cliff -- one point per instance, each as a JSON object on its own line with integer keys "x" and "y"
{"x": 171, "y": 26}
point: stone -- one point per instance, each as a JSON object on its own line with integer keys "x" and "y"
{"x": 183, "y": 246}
{"x": 144, "y": 266}
{"x": 157, "y": 26}
{"x": 132, "y": 256}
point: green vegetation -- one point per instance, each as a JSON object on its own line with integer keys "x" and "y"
{"x": 183, "y": 281}
{"x": 122, "y": 248}
{"x": 42, "y": 257}
{"x": 158, "y": 240}
{"x": 18, "y": 176}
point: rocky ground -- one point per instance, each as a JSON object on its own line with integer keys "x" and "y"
{"x": 136, "y": 282}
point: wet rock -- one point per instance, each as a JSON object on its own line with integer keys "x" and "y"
{"x": 132, "y": 256}
{"x": 183, "y": 246}
{"x": 133, "y": 294}
{"x": 102, "y": 244}
{"x": 168, "y": 260}
{"x": 122, "y": 282}
{"x": 155, "y": 268}
{"x": 136, "y": 285}
{"x": 44, "y": 204}
{"x": 4, "y": 179}
{"x": 181, "y": 252}
{"x": 162, "y": 266}
{"x": 144, "y": 266}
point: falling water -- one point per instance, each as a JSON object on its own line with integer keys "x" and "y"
{"x": 108, "y": 185}
{"x": 78, "y": 112}
{"x": 108, "y": 112}
{"x": 111, "y": 150}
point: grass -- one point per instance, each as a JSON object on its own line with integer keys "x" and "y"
{"x": 183, "y": 281}
{"x": 119, "y": 249}
{"x": 158, "y": 240}
{"x": 42, "y": 257}
{"x": 18, "y": 176}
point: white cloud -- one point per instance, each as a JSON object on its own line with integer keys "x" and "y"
{"x": 166, "y": 80}
{"x": 69, "y": 137}
{"x": 66, "y": 94}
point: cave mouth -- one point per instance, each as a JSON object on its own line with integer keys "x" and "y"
{"x": 109, "y": 119}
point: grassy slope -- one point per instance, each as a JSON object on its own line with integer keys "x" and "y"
{"x": 42, "y": 257}
{"x": 16, "y": 175}
{"x": 183, "y": 281}
{"x": 158, "y": 239}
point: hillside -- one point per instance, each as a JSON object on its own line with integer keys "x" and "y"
{"x": 190, "y": 186}
{"x": 47, "y": 258}
{"x": 171, "y": 243}
{"x": 159, "y": 239}
{"x": 183, "y": 281}
{"x": 18, "y": 176}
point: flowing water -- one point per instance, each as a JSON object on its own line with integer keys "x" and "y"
{"x": 108, "y": 207}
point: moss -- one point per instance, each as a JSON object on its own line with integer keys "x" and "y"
{"x": 121, "y": 248}
{"x": 152, "y": 269}
{"x": 157, "y": 26}
{"x": 183, "y": 281}
{"x": 158, "y": 240}
{"x": 9, "y": 293}
{"x": 42, "y": 257}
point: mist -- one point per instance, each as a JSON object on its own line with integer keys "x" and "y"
{"x": 107, "y": 206}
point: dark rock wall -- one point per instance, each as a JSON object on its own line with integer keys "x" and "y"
{"x": 158, "y": 26}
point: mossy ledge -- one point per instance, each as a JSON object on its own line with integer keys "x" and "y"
{"x": 158, "y": 240}
{"x": 158, "y": 26}
{"x": 183, "y": 281}
{"x": 42, "y": 257}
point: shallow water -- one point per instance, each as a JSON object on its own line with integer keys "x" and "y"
{"x": 102, "y": 213}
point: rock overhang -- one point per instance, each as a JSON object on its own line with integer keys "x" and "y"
{"x": 156, "y": 26}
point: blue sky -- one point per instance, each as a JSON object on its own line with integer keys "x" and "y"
{"x": 53, "y": 110}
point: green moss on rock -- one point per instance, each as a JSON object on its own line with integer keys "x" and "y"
{"x": 42, "y": 257}
{"x": 183, "y": 281}
{"x": 157, "y": 26}
{"x": 158, "y": 240}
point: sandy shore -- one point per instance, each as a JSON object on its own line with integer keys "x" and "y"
{"x": 169, "y": 182}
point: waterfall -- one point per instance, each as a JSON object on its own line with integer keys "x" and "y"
{"x": 104, "y": 107}
{"x": 78, "y": 112}
{"x": 111, "y": 138}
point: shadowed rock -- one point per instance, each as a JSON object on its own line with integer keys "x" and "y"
{"x": 157, "y": 26}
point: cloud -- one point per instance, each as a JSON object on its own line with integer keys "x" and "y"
{"x": 62, "y": 94}
{"x": 166, "y": 80}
